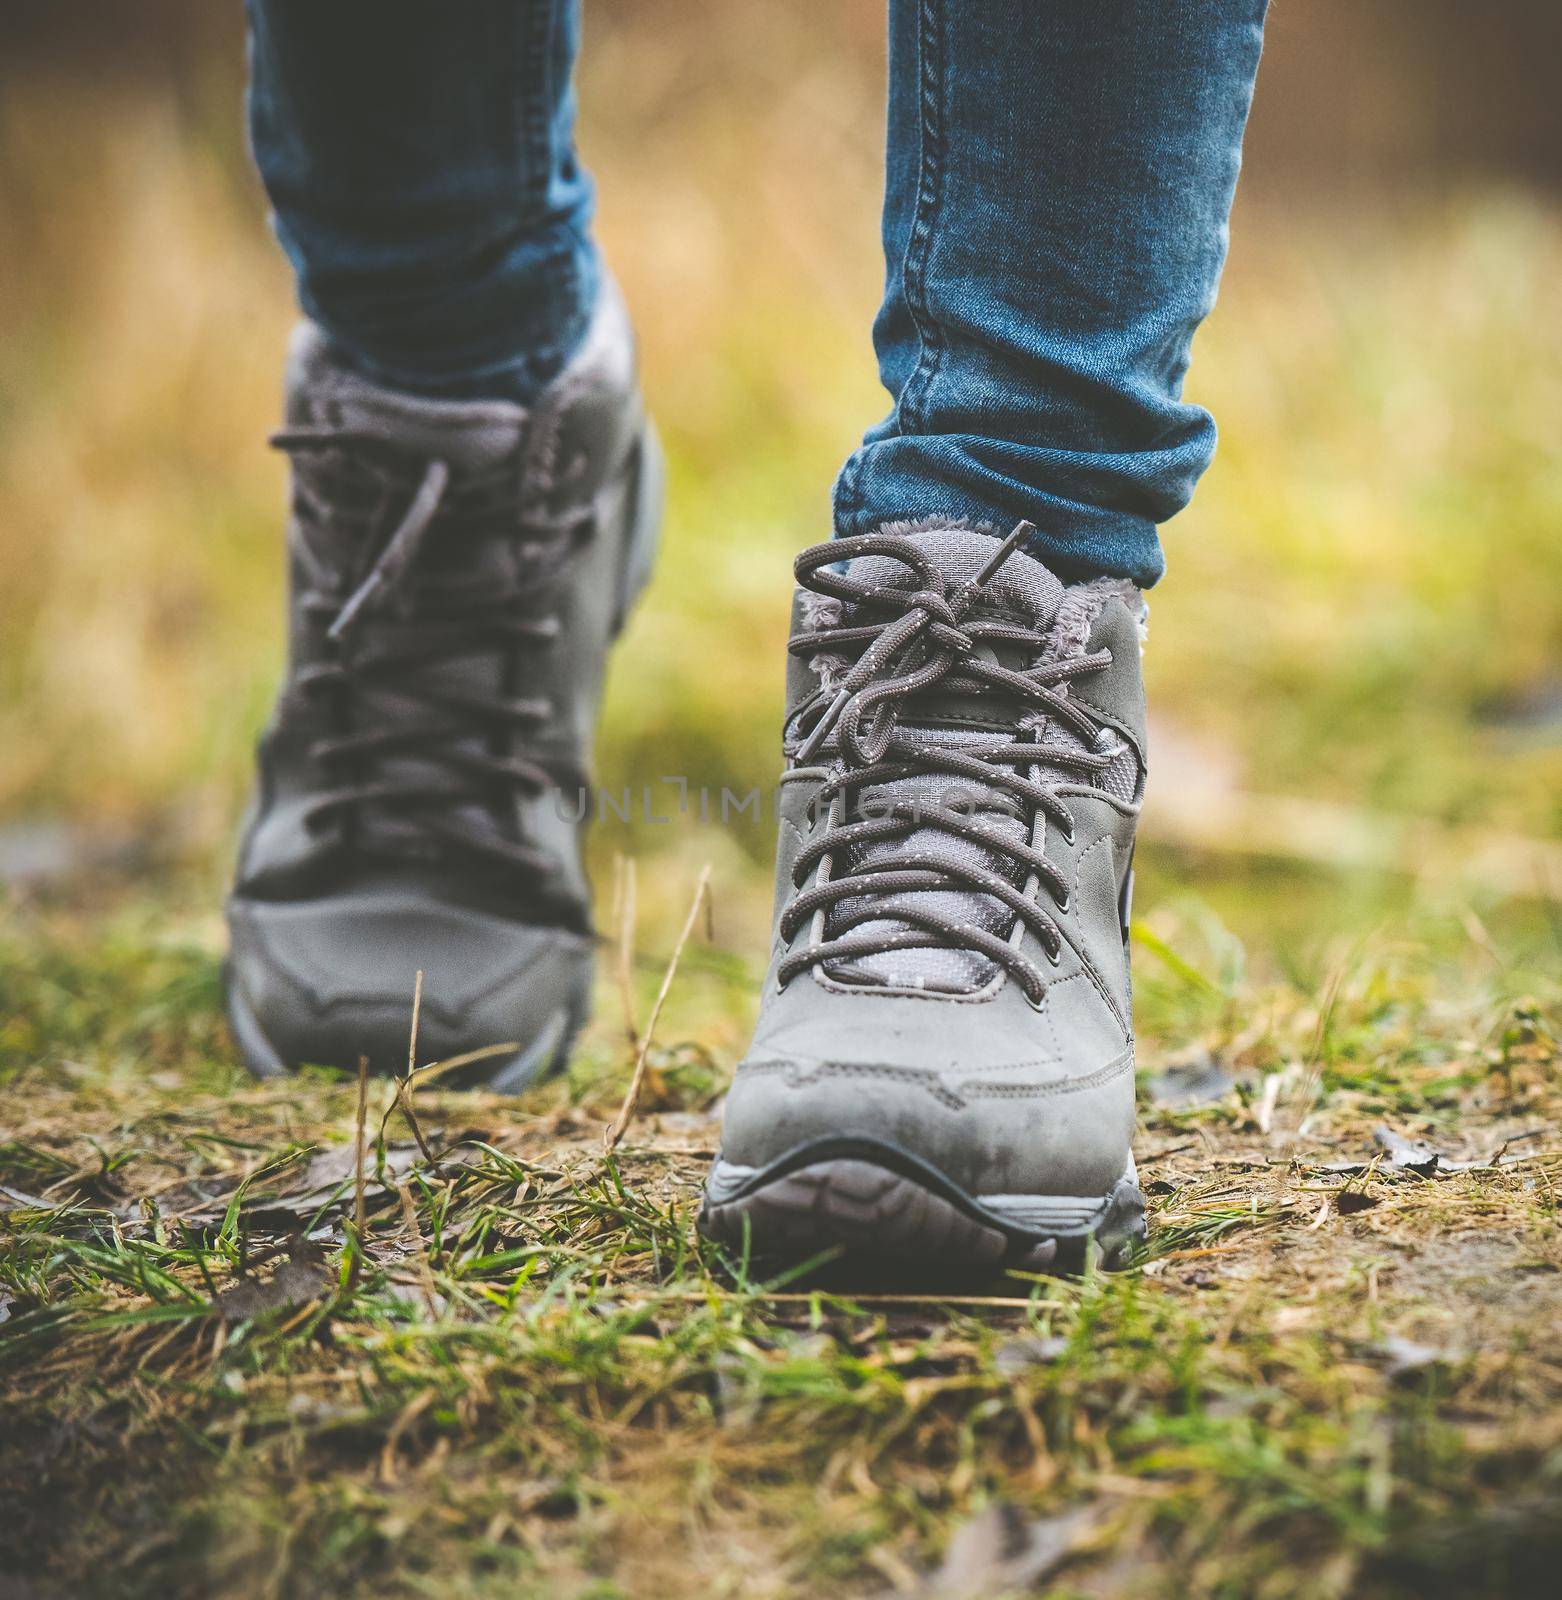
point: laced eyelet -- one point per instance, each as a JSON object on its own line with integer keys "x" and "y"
{"x": 903, "y": 636}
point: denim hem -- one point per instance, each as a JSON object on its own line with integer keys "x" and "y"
{"x": 517, "y": 375}
{"x": 1111, "y": 547}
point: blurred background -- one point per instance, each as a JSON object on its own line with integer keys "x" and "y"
{"x": 1355, "y": 663}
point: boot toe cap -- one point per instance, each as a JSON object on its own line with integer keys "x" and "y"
{"x": 1032, "y": 1128}
{"x": 331, "y": 981}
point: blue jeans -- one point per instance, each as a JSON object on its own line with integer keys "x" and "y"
{"x": 1058, "y": 180}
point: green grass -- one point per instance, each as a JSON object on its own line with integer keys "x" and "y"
{"x": 528, "y": 1373}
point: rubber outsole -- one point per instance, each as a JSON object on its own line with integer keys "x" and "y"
{"x": 875, "y": 1199}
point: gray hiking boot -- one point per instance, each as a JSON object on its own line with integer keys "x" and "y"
{"x": 943, "y": 1064}
{"x": 458, "y": 571}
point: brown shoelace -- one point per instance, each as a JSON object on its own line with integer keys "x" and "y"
{"x": 907, "y": 642}
{"x": 464, "y": 740}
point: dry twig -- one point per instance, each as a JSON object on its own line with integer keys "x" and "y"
{"x": 620, "y": 1123}
{"x": 361, "y": 1151}
{"x": 624, "y": 913}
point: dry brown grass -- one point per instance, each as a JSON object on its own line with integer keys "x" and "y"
{"x": 1326, "y": 1375}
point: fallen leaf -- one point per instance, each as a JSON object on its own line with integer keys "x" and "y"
{"x": 327, "y": 1178}
{"x": 1406, "y": 1155}
{"x": 1201, "y": 1080}
{"x": 295, "y": 1283}
{"x": 1029, "y": 1350}
{"x": 1400, "y": 1154}
{"x": 1002, "y": 1551}
{"x": 1406, "y": 1360}
{"x": 338, "y": 1163}
{"x": 1347, "y": 1202}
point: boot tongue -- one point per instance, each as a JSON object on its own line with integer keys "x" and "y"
{"x": 475, "y": 547}
{"x": 1024, "y": 594}
{"x": 1022, "y": 590}
{"x": 474, "y": 436}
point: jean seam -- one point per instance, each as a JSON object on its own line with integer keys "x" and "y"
{"x": 529, "y": 129}
{"x": 910, "y": 408}
{"x": 532, "y": 143}
{"x": 577, "y": 309}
